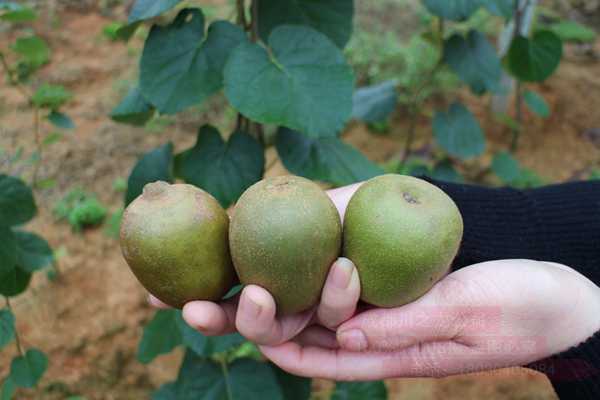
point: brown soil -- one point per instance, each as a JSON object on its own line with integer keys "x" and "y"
{"x": 90, "y": 320}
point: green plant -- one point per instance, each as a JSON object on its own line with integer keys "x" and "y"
{"x": 22, "y": 253}
{"x": 27, "y": 54}
{"x": 80, "y": 209}
{"x": 183, "y": 64}
{"x": 457, "y": 43}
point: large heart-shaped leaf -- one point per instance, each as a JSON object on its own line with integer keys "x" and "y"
{"x": 161, "y": 336}
{"x": 181, "y": 65}
{"x": 224, "y": 169}
{"x": 458, "y": 132}
{"x": 16, "y": 201}
{"x": 133, "y": 109}
{"x": 34, "y": 253}
{"x": 506, "y": 167}
{"x": 535, "y": 59}
{"x": 359, "y": 391}
{"x": 145, "y": 9}
{"x": 536, "y": 103}
{"x": 9, "y": 252}
{"x": 33, "y": 50}
{"x": 204, "y": 345}
{"x": 293, "y": 387}
{"x": 474, "y": 60}
{"x": 27, "y": 370}
{"x": 156, "y": 165}
{"x": 375, "y": 103}
{"x": 330, "y": 17}
{"x": 301, "y": 81}
{"x": 327, "y": 159}
{"x": 7, "y": 327}
{"x": 202, "y": 378}
{"x": 14, "y": 282}
{"x": 455, "y": 10}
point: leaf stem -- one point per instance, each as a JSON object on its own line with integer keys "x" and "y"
{"x": 17, "y": 338}
{"x": 254, "y": 23}
{"x": 223, "y": 363}
{"x": 516, "y": 131}
{"x": 415, "y": 102}
{"x": 38, "y": 143}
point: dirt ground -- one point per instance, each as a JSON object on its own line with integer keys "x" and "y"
{"x": 90, "y": 320}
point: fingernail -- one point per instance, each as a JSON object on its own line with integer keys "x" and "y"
{"x": 342, "y": 273}
{"x": 251, "y": 307}
{"x": 353, "y": 340}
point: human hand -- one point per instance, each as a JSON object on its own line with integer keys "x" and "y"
{"x": 487, "y": 316}
{"x": 253, "y": 312}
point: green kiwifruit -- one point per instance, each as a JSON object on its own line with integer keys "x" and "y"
{"x": 175, "y": 239}
{"x": 285, "y": 233}
{"x": 402, "y": 233}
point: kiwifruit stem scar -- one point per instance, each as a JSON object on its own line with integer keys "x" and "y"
{"x": 156, "y": 189}
{"x": 409, "y": 198}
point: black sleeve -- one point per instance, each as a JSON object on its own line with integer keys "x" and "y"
{"x": 559, "y": 223}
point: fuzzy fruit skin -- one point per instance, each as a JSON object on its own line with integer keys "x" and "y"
{"x": 175, "y": 239}
{"x": 403, "y": 234}
{"x": 284, "y": 236}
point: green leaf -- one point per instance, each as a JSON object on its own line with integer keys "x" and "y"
{"x": 333, "y": 18}
{"x": 14, "y": 282}
{"x": 501, "y": 8}
{"x": 535, "y": 59}
{"x": 7, "y": 327}
{"x": 9, "y": 254}
{"x": 34, "y": 253}
{"x": 536, "y": 103}
{"x": 33, "y": 50}
{"x": 445, "y": 171}
{"x": 458, "y": 132}
{"x": 202, "y": 378}
{"x": 571, "y": 31}
{"x": 8, "y": 389}
{"x": 17, "y": 205}
{"x": 126, "y": 31}
{"x": 156, "y": 165}
{"x": 375, "y": 103}
{"x": 327, "y": 159}
{"x": 506, "y": 167}
{"x": 293, "y": 387}
{"x": 224, "y": 169}
{"x": 455, "y": 10}
{"x": 60, "y": 120}
{"x": 474, "y": 60}
{"x": 161, "y": 336}
{"x": 146, "y": 9}
{"x": 360, "y": 391}
{"x": 133, "y": 109}
{"x": 17, "y": 13}
{"x": 206, "y": 346}
{"x": 180, "y": 65}
{"x": 51, "y": 96}
{"x": 51, "y": 138}
{"x": 27, "y": 370}
{"x": 301, "y": 82}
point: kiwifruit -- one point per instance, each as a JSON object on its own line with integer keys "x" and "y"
{"x": 175, "y": 239}
{"x": 402, "y": 233}
{"x": 285, "y": 234}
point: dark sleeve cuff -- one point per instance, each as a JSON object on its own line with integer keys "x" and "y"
{"x": 575, "y": 373}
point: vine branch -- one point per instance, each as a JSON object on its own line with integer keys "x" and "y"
{"x": 516, "y": 132}
{"x": 17, "y": 338}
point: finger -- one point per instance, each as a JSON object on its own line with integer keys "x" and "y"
{"x": 209, "y": 318}
{"x": 317, "y": 336}
{"x": 256, "y": 318}
{"x": 341, "y": 197}
{"x": 340, "y": 294}
{"x": 397, "y": 328}
{"x": 154, "y": 302}
{"x": 437, "y": 359}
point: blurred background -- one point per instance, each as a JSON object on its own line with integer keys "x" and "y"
{"x": 87, "y": 311}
